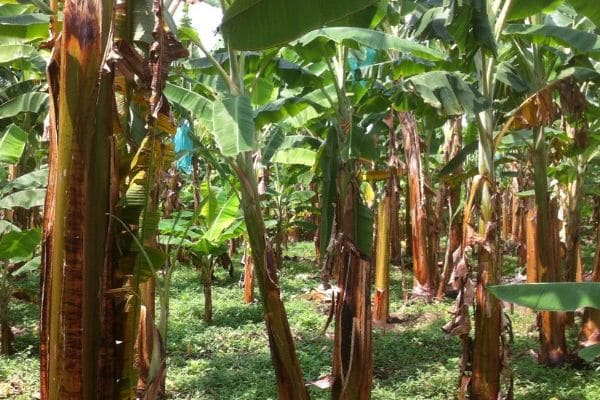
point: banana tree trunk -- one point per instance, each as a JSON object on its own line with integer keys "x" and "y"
{"x": 451, "y": 148}
{"x": 352, "y": 354}
{"x": 248, "y": 278}
{"x": 75, "y": 336}
{"x": 381, "y": 300}
{"x": 425, "y": 273}
{"x": 551, "y": 324}
{"x": 206, "y": 273}
{"x": 531, "y": 242}
{"x": 290, "y": 383}
{"x": 573, "y": 267}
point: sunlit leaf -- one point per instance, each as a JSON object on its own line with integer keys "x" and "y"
{"x": 562, "y": 296}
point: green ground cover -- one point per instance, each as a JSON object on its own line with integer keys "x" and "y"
{"x": 230, "y": 360}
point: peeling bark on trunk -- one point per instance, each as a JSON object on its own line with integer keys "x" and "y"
{"x": 551, "y": 324}
{"x": 487, "y": 356}
{"x": 74, "y": 339}
{"x": 506, "y": 208}
{"x": 531, "y": 242}
{"x": 353, "y": 363}
{"x": 248, "y": 278}
{"x": 425, "y": 273}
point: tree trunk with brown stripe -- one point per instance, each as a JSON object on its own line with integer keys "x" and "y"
{"x": 425, "y": 274}
{"x": 75, "y": 335}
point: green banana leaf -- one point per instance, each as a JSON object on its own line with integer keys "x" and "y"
{"x": 31, "y": 180}
{"x": 561, "y": 296}
{"x": 11, "y": 53}
{"x": 276, "y": 22}
{"x": 584, "y": 42}
{"x": 27, "y": 27}
{"x": 27, "y": 198}
{"x": 281, "y": 109}
{"x": 198, "y": 105}
{"x": 449, "y": 92}
{"x": 588, "y": 8}
{"x": 12, "y": 144}
{"x": 36, "y": 102}
{"x": 297, "y": 155}
{"x": 6, "y": 227}
{"x": 226, "y": 215}
{"x": 19, "y": 246}
{"x": 459, "y": 158}
{"x": 524, "y": 9}
{"x": 233, "y": 125}
{"x": 590, "y": 353}
{"x": 373, "y": 39}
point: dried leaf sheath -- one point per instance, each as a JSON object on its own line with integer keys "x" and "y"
{"x": 74, "y": 344}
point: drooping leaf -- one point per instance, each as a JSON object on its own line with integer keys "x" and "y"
{"x": 28, "y": 27}
{"x": 18, "y": 246}
{"x": 281, "y": 109}
{"x": 36, "y": 102}
{"x": 12, "y": 53}
{"x": 590, "y": 353}
{"x": 6, "y": 227}
{"x": 562, "y": 296}
{"x": 33, "y": 179}
{"x": 233, "y": 125}
{"x": 12, "y": 144}
{"x": 588, "y": 8}
{"x": 524, "y": 9}
{"x": 290, "y": 156}
{"x": 295, "y": 75}
{"x": 198, "y": 105}
{"x": 264, "y": 91}
{"x": 373, "y": 39}
{"x": 449, "y": 92}
{"x": 276, "y": 22}
{"x": 30, "y": 266}
{"x": 459, "y": 158}
{"x": 225, "y": 216}
{"x": 272, "y": 144}
{"x": 27, "y": 198}
{"x": 301, "y": 196}
{"x": 362, "y": 145}
{"x": 507, "y": 74}
{"x": 585, "y": 42}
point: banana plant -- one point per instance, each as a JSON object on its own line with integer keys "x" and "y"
{"x": 203, "y": 235}
{"x": 17, "y": 262}
{"x": 232, "y": 112}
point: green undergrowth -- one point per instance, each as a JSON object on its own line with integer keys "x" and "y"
{"x": 229, "y": 359}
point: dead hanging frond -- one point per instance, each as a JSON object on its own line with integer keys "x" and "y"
{"x": 572, "y": 107}
{"x": 164, "y": 50}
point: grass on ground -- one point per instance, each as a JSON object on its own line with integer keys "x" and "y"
{"x": 230, "y": 359}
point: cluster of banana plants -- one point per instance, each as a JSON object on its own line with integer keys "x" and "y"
{"x": 478, "y": 117}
